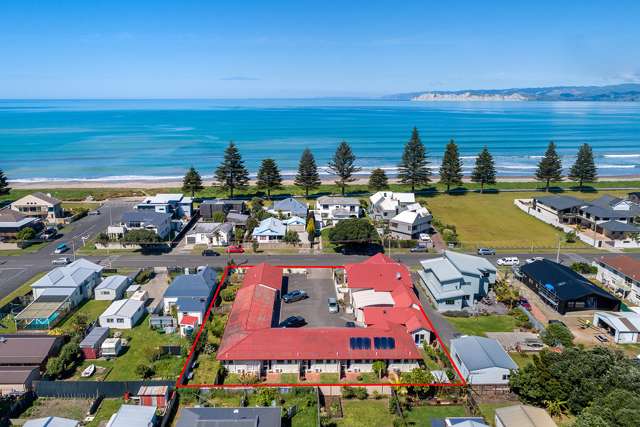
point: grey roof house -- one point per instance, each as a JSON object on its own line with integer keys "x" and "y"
{"x": 230, "y": 417}
{"x": 289, "y": 207}
{"x": 456, "y": 281}
{"x": 190, "y": 292}
{"x": 482, "y": 360}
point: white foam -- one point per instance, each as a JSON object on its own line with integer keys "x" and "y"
{"x": 621, "y": 156}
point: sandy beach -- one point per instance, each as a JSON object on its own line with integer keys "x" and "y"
{"x": 172, "y": 183}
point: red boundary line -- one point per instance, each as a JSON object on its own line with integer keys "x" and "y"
{"x": 461, "y": 383}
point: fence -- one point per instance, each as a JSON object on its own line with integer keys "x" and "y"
{"x": 535, "y": 322}
{"x": 92, "y": 389}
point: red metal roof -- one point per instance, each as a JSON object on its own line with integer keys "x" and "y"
{"x": 249, "y": 335}
{"x": 382, "y": 275}
{"x": 189, "y": 320}
{"x": 626, "y": 265}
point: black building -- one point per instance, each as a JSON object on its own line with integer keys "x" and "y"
{"x": 209, "y": 207}
{"x": 564, "y": 289}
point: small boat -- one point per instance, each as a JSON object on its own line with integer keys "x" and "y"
{"x": 88, "y": 371}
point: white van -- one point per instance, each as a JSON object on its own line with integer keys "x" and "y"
{"x": 510, "y": 260}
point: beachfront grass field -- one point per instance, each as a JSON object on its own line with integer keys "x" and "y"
{"x": 492, "y": 220}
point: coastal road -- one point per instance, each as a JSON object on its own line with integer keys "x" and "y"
{"x": 15, "y": 270}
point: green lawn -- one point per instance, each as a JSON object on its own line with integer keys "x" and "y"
{"x": 521, "y": 359}
{"x": 288, "y": 378}
{"x": 481, "y": 324}
{"x": 492, "y": 220}
{"x": 107, "y": 408}
{"x": 365, "y": 413}
{"x": 329, "y": 378}
{"x": 423, "y": 415}
{"x": 91, "y": 310}
{"x": 142, "y": 342}
{"x": 207, "y": 369}
{"x": 489, "y": 410}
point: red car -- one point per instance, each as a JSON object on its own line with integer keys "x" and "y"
{"x": 525, "y": 303}
{"x": 235, "y": 249}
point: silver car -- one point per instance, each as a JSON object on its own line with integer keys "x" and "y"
{"x": 333, "y": 305}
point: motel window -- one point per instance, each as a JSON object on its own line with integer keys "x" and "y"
{"x": 120, "y": 320}
{"x": 109, "y": 320}
{"x": 450, "y": 302}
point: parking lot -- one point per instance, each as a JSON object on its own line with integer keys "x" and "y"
{"x": 319, "y": 287}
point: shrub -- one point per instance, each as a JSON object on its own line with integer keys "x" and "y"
{"x": 144, "y": 371}
{"x": 557, "y": 334}
{"x": 584, "y": 268}
{"x": 291, "y": 237}
{"x": 26, "y": 233}
{"x": 570, "y": 237}
{"x": 393, "y": 404}
{"x": 228, "y": 294}
{"x": 361, "y": 393}
{"x": 266, "y": 396}
{"x": 102, "y": 238}
{"x": 218, "y": 216}
{"x": 348, "y": 392}
{"x": 144, "y": 276}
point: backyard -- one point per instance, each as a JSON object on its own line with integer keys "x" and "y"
{"x": 480, "y": 324}
{"x": 375, "y": 413}
{"x": 492, "y": 220}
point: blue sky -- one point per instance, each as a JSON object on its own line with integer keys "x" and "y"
{"x": 154, "y": 49}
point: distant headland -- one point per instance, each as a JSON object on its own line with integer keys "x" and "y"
{"x": 629, "y": 92}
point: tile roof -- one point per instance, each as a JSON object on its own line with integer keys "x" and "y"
{"x": 335, "y": 200}
{"x": 290, "y": 205}
{"x": 10, "y": 217}
{"x": 379, "y": 273}
{"x": 46, "y": 197}
{"x": 624, "y": 264}
{"x": 618, "y": 226}
{"x": 146, "y": 216}
{"x": 230, "y": 417}
{"x": 23, "y": 349}
{"x": 189, "y": 320}
{"x": 524, "y": 416}
{"x": 114, "y": 282}
{"x": 270, "y": 227}
{"x": 123, "y": 308}
{"x": 560, "y": 202}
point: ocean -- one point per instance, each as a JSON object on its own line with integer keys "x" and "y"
{"x": 111, "y": 140}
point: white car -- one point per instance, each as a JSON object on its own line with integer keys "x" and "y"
{"x": 534, "y": 259}
{"x": 61, "y": 261}
{"x": 510, "y": 260}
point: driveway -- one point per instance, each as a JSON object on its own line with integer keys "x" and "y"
{"x": 444, "y": 329}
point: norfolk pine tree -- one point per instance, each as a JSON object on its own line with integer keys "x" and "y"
{"x": 485, "y": 171}
{"x": 192, "y": 182}
{"x": 451, "y": 168}
{"x": 342, "y": 164}
{"x": 307, "y": 176}
{"x": 4, "y": 184}
{"x": 584, "y": 169}
{"x": 378, "y": 180}
{"x": 413, "y": 168}
{"x": 549, "y": 167}
{"x": 269, "y": 177}
{"x": 232, "y": 174}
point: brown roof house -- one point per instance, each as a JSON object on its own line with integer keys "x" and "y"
{"x": 27, "y": 350}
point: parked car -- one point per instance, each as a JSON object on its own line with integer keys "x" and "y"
{"x": 294, "y": 296}
{"x": 333, "y": 305}
{"x": 50, "y": 233}
{"x": 61, "y": 261}
{"x": 235, "y": 249}
{"x": 534, "y": 259}
{"x": 94, "y": 212}
{"x": 424, "y": 237}
{"x": 209, "y": 252}
{"x": 486, "y": 251}
{"x": 525, "y": 303}
{"x": 61, "y": 248}
{"x": 510, "y": 260}
{"x": 420, "y": 247}
{"x": 293, "y": 322}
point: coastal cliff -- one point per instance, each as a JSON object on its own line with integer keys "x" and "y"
{"x": 613, "y": 93}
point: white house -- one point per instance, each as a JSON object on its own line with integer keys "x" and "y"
{"x": 457, "y": 280}
{"x": 623, "y": 326}
{"x": 176, "y": 204}
{"x": 269, "y": 230}
{"x": 77, "y": 280}
{"x": 122, "y": 314}
{"x": 190, "y": 294}
{"x": 40, "y": 205}
{"x": 133, "y": 416}
{"x": 330, "y": 210}
{"x": 112, "y": 287}
{"x": 384, "y": 205}
{"x": 159, "y": 223}
{"x": 411, "y": 222}
{"x": 482, "y": 360}
{"x": 621, "y": 274}
{"x": 210, "y": 234}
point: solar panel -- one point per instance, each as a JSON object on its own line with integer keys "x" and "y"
{"x": 366, "y": 343}
{"x": 384, "y": 343}
{"x": 359, "y": 343}
{"x": 391, "y": 343}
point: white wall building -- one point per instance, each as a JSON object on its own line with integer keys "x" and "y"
{"x": 384, "y": 205}
{"x": 623, "y": 326}
{"x": 410, "y": 223}
{"x": 330, "y": 210}
{"x": 112, "y": 287}
{"x": 210, "y": 234}
{"x": 482, "y": 360}
{"x": 122, "y": 314}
